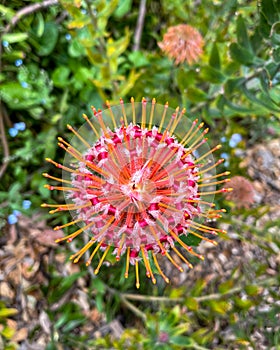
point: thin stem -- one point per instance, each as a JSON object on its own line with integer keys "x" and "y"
{"x": 214, "y": 296}
{"x": 27, "y": 11}
{"x": 4, "y": 142}
{"x": 139, "y": 26}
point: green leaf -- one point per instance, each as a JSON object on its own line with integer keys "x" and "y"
{"x": 123, "y": 8}
{"x": 138, "y": 59}
{"x": 194, "y": 94}
{"x": 191, "y": 240}
{"x": 7, "y": 12}
{"x": 243, "y": 304}
{"x": 241, "y": 54}
{"x": 220, "y": 306}
{"x": 242, "y": 35}
{"x": 60, "y": 76}
{"x": 117, "y": 47}
{"x": 214, "y": 60}
{"x": 191, "y": 303}
{"x": 76, "y": 49}
{"x": 252, "y": 289}
{"x": 225, "y": 287}
{"x": 259, "y": 101}
{"x": 8, "y": 332}
{"x": 14, "y": 37}
{"x": 276, "y": 55}
{"x": 7, "y": 312}
{"x": 72, "y": 324}
{"x": 212, "y": 75}
{"x": 48, "y": 40}
{"x": 182, "y": 340}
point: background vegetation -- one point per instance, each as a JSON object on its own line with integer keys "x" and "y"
{"x": 60, "y": 57}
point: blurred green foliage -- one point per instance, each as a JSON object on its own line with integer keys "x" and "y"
{"x": 57, "y": 62}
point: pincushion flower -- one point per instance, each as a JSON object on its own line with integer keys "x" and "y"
{"x": 138, "y": 178}
{"x": 243, "y": 192}
{"x": 183, "y": 43}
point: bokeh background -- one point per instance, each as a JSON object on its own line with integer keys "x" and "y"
{"x": 60, "y": 57}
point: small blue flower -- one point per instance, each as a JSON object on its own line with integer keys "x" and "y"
{"x": 224, "y": 155}
{"x": 5, "y": 43}
{"x": 21, "y": 126}
{"x": 68, "y": 36}
{"x": 84, "y": 11}
{"x": 13, "y": 132}
{"x": 26, "y": 204}
{"x": 24, "y": 84}
{"x": 16, "y": 212}
{"x": 18, "y": 62}
{"x": 223, "y": 139}
{"x": 12, "y": 219}
{"x": 234, "y": 140}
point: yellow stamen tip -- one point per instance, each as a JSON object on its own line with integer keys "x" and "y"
{"x": 166, "y": 280}
{"x": 218, "y": 146}
{"x": 181, "y": 269}
{"x": 56, "y": 228}
{"x": 87, "y": 263}
{"x": 96, "y": 271}
{"x": 190, "y": 266}
{"x": 154, "y": 280}
{"x": 43, "y": 205}
{"x": 126, "y": 275}
{"x": 137, "y": 285}
{"x": 76, "y": 260}
{"x": 58, "y": 240}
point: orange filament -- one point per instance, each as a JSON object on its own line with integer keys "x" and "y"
{"x": 68, "y": 224}
{"x": 91, "y": 125}
{"x": 163, "y": 116}
{"x": 207, "y": 153}
{"x": 102, "y": 259}
{"x": 111, "y": 114}
{"x": 214, "y": 183}
{"x": 70, "y": 237}
{"x": 120, "y": 247}
{"x": 79, "y": 136}
{"x": 93, "y": 253}
{"x": 174, "y": 263}
{"x": 143, "y": 119}
{"x": 151, "y": 113}
{"x": 177, "y": 120}
{"x": 127, "y": 262}
{"x": 189, "y": 249}
{"x": 191, "y": 136}
{"x": 123, "y": 111}
{"x": 137, "y": 274}
{"x": 166, "y": 279}
{"x": 182, "y": 257}
{"x": 189, "y": 132}
{"x": 226, "y": 173}
{"x": 202, "y": 237}
{"x": 211, "y": 167}
{"x": 77, "y": 256}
